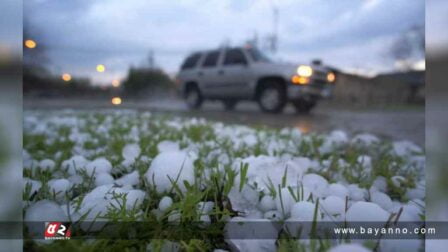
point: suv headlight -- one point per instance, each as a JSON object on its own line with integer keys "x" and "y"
{"x": 304, "y": 71}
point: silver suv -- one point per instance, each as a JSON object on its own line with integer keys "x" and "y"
{"x": 244, "y": 73}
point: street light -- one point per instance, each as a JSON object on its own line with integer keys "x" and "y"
{"x": 115, "y": 83}
{"x": 116, "y": 100}
{"x": 31, "y": 44}
{"x": 100, "y": 68}
{"x": 66, "y": 77}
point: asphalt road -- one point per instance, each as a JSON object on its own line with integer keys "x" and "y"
{"x": 405, "y": 123}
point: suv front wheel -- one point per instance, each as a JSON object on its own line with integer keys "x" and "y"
{"x": 193, "y": 97}
{"x": 272, "y": 97}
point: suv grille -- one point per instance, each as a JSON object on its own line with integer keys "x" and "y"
{"x": 321, "y": 76}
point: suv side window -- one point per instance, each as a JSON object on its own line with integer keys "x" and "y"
{"x": 191, "y": 61}
{"x": 234, "y": 57}
{"x": 211, "y": 59}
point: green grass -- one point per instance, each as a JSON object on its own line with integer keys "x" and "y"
{"x": 107, "y": 134}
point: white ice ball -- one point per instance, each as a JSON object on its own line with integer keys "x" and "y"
{"x": 97, "y": 166}
{"x": 103, "y": 179}
{"x": 168, "y": 167}
{"x": 366, "y": 211}
{"x": 353, "y": 247}
{"x": 165, "y": 203}
{"x": 131, "y": 151}
{"x": 338, "y": 190}
{"x": 304, "y": 211}
{"x": 46, "y": 165}
{"x": 381, "y": 199}
{"x": 267, "y": 203}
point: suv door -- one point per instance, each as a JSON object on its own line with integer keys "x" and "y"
{"x": 235, "y": 73}
{"x": 208, "y": 73}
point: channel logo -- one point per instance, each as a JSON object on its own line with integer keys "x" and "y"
{"x": 57, "y": 231}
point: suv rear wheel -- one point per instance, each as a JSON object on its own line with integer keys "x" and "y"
{"x": 272, "y": 97}
{"x": 193, "y": 97}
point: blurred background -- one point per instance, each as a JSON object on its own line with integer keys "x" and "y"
{"x": 436, "y": 116}
{"x": 103, "y": 54}
{"x": 10, "y": 123}
{"x": 134, "y": 48}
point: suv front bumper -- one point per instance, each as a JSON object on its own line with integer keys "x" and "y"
{"x": 312, "y": 90}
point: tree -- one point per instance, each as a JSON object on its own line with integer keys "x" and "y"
{"x": 151, "y": 80}
{"x": 409, "y": 47}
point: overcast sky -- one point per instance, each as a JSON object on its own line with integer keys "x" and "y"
{"x": 349, "y": 34}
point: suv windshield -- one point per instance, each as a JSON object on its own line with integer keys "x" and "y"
{"x": 191, "y": 61}
{"x": 258, "y": 56}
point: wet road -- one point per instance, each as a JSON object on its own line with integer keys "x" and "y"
{"x": 406, "y": 123}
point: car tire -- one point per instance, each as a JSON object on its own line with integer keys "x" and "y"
{"x": 271, "y": 97}
{"x": 193, "y": 97}
{"x": 229, "y": 105}
{"x": 303, "y": 106}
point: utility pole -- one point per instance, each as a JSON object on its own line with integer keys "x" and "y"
{"x": 275, "y": 29}
{"x": 271, "y": 40}
{"x": 253, "y": 42}
{"x": 151, "y": 59}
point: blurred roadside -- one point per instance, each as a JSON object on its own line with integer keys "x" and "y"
{"x": 437, "y": 116}
{"x": 143, "y": 84}
{"x": 10, "y": 119}
{"x": 437, "y": 141}
{"x": 396, "y": 122}
{"x": 390, "y": 104}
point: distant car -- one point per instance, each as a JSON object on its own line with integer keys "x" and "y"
{"x": 244, "y": 73}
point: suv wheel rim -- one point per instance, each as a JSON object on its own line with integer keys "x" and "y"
{"x": 270, "y": 98}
